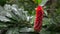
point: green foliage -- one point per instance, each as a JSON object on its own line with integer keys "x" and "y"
{"x": 13, "y": 31}
{"x": 54, "y": 12}
{"x": 38, "y": 1}
{"x": 13, "y": 17}
{"x": 28, "y": 5}
{"x": 2, "y": 2}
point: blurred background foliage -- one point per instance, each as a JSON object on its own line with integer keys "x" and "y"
{"x": 18, "y": 15}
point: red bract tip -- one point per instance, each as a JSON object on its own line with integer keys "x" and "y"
{"x": 39, "y": 8}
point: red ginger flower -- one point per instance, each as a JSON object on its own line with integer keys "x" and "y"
{"x": 38, "y": 19}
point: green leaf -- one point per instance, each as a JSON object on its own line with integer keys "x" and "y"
{"x": 38, "y": 1}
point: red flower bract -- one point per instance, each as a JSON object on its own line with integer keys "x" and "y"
{"x": 38, "y": 19}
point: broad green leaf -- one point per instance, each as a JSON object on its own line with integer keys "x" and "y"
{"x": 38, "y": 1}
